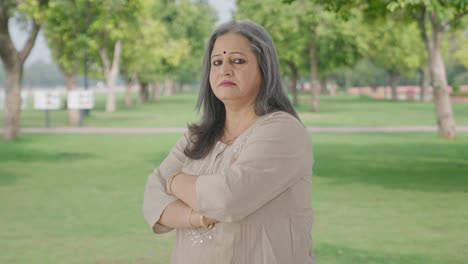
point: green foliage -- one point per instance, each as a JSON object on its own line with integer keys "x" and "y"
{"x": 293, "y": 26}
{"x": 196, "y": 21}
{"x": 341, "y": 43}
{"x": 74, "y": 26}
{"x": 445, "y": 11}
{"x": 66, "y": 33}
{"x": 365, "y": 73}
{"x": 34, "y": 9}
{"x": 459, "y": 42}
{"x": 396, "y": 46}
{"x": 280, "y": 20}
{"x": 191, "y": 23}
{"x": 148, "y": 45}
{"x": 168, "y": 40}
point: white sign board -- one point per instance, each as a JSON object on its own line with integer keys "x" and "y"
{"x": 80, "y": 99}
{"x": 47, "y": 100}
{"x": 24, "y": 100}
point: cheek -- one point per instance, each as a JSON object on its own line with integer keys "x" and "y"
{"x": 211, "y": 78}
{"x": 254, "y": 78}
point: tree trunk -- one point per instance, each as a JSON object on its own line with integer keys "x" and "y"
{"x": 156, "y": 92}
{"x": 73, "y": 114}
{"x": 144, "y": 93}
{"x": 333, "y": 87}
{"x": 443, "y": 105}
{"x": 111, "y": 72}
{"x": 432, "y": 39}
{"x": 293, "y": 83}
{"x": 168, "y": 87}
{"x": 293, "y": 88}
{"x": 13, "y": 61}
{"x": 129, "y": 91}
{"x": 315, "y": 86}
{"x": 394, "y": 80}
{"x": 347, "y": 82}
{"x": 177, "y": 87}
{"x": 424, "y": 82}
{"x": 128, "y": 95}
{"x": 12, "y": 110}
{"x": 323, "y": 86}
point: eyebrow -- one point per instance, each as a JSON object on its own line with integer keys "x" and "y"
{"x": 234, "y": 52}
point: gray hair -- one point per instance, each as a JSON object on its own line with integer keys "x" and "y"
{"x": 270, "y": 98}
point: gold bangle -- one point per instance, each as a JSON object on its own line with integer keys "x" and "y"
{"x": 201, "y": 221}
{"x": 169, "y": 183}
{"x": 190, "y": 218}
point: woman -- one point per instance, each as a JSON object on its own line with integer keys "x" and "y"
{"x": 237, "y": 185}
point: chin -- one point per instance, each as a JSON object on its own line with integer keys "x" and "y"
{"x": 225, "y": 95}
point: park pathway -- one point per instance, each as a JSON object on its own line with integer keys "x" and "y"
{"x": 158, "y": 130}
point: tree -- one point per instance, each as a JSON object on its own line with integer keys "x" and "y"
{"x": 395, "y": 47}
{"x": 110, "y": 22}
{"x": 65, "y": 32}
{"x": 308, "y": 38}
{"x": 152, "y": 49}
{"x": 193, "y": 22}
{"x": 461, "y": 53}
{"x": 436, "y": 17}
{"x": 281, "y": 22}
{"x": 188, "y": 23}
{"x": 30, "y": 12}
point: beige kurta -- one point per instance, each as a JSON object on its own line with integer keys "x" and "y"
{"x": 259, "y": 188}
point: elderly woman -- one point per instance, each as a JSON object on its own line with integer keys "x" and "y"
{"x": 237, "y": 185}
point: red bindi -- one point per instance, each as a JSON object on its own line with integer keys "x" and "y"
{"x": 224, "y": 52}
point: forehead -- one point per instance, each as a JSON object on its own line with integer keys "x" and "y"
{"x": 231, "y": 42}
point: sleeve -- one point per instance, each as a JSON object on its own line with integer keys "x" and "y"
{"x": 276, "y": 155}
{"x": 156, "y": 198}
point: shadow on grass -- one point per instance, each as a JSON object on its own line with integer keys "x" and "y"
{"x": 7, "y": 177}
{"x": 333, "y": 254}
{"x": 20, "y": 152}
{"x": 406, "y": 166}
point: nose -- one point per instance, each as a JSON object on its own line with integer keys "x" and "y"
{"x": 226, "y": 68}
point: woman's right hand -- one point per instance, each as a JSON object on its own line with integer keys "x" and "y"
{"x": 202, "y": 221}
{"x": 209, "y": 222}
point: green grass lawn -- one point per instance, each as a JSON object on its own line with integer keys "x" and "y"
{"x": 178, "y": 110}
{"x": 378, "y": 198}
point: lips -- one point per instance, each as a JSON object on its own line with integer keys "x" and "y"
{"x": 226, "y": 83}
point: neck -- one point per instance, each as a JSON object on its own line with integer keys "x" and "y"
{"x": 238, "y": 120}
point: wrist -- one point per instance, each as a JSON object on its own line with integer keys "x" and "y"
{"x": 195, "y": 219}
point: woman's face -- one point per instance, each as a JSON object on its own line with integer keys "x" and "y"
{"x": 234, "y": 75}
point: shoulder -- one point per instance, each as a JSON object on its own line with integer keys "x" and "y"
{"x": 281, "y": 124}
{"x": 182, "y": 142}
{"x": 280, "y": 119}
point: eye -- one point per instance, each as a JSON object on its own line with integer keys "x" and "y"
{"x": 239, "y": 61}
{"x": 216, "y": 62}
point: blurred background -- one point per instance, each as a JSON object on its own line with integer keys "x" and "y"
{"x": 94, "y": 93}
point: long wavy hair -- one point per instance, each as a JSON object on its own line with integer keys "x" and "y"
{"x": 271, "y": 97}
